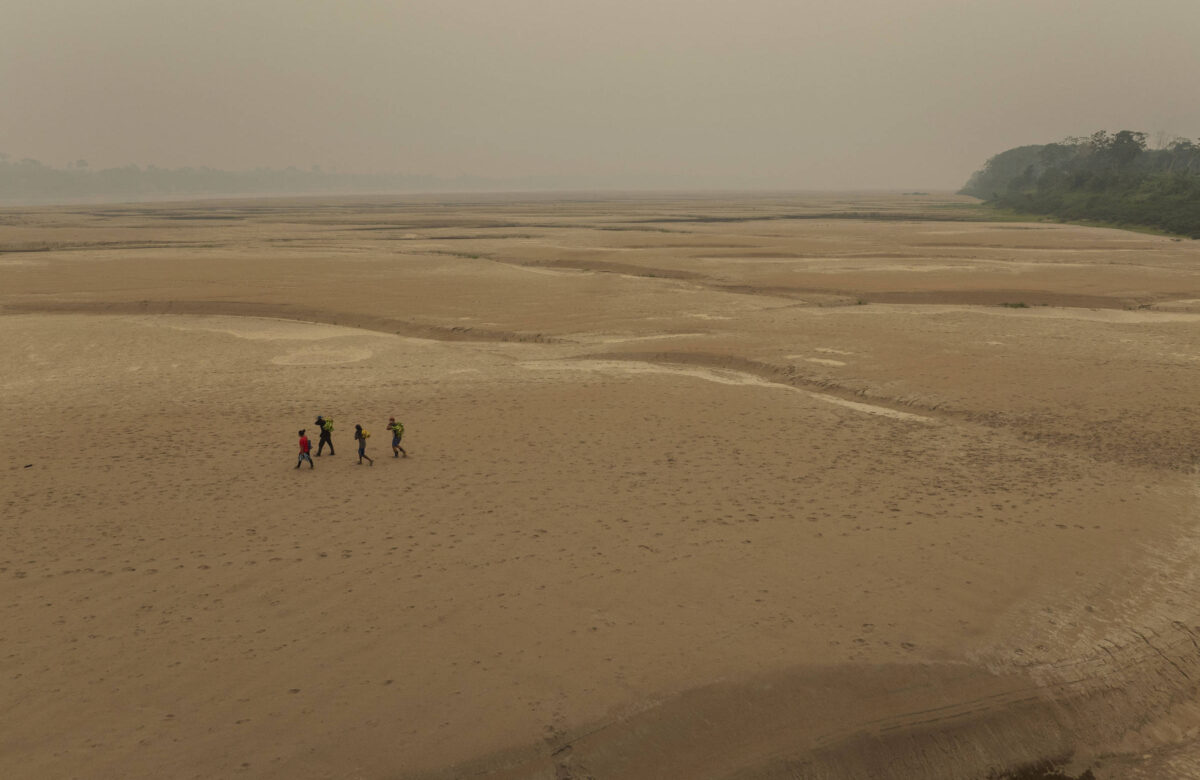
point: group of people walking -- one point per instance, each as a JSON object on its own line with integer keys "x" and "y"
{"x": 325, "y": 427}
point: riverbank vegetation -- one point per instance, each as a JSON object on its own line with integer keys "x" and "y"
{"x": 1112, "y": 178}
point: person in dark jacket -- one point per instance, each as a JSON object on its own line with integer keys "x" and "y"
{"x": 325, "y": 426}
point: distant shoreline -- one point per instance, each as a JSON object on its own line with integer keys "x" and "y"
{"x": 498, "y": 192}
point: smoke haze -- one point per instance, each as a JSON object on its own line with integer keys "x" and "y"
{"x": 621, "y": 93}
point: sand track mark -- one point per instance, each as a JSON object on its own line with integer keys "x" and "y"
{"x": 604, "y": 267}
{"x": 725, "y": 370}
{"x": 97, "y": 246}
{"x": 1001, "y": 297}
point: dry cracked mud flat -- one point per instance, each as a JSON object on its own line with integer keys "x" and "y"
{"x": 757, "y": 487}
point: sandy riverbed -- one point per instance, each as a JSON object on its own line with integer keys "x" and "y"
{"x": 698, "y": 488}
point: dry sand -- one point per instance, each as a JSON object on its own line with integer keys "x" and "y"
{"x": 699, "y": 488}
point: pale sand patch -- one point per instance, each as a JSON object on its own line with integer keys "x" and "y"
{"x": 821, "y": 361}
{"x": 269, "y": 329}
{"x": 544, "y": 271}
{"x": 658, "y": 337}
{"x": 254, "y": 328}
{"x": 322, "y": 356}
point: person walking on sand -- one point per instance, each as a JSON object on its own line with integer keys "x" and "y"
{"x": 362, "y": 437}
{"x": 304, "y": 451}
{"x": 325, "y": 428}
{"x": 397, "y": 430}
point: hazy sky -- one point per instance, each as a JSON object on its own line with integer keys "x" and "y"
{"x": 707, "y": 93}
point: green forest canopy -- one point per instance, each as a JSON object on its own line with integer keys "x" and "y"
{"x": 1107, "y": 177}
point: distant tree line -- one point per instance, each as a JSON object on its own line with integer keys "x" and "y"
{"x": 31, "y": 181}
{"x": 1106, "y": 177}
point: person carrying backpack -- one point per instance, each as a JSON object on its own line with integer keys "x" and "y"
{"x": 361, "y": 436}
{"x": 325, "y": 426}
{"x": 397, "y": 430}
{"x": 304, "y": 451}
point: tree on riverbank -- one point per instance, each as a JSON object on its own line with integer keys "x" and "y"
{"x": 1107, "y": 177}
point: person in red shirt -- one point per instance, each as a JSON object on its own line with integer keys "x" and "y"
{"x": 304, "y": 451}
